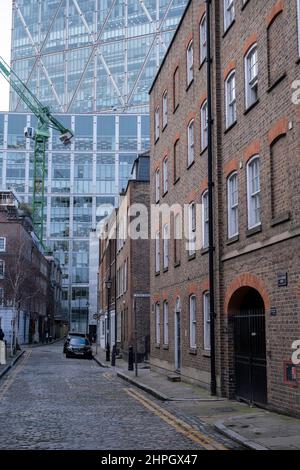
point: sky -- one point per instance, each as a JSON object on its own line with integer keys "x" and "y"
{"x": 5, "y": 33}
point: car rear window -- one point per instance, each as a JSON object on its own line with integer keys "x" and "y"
{"x": 79, "y": 341}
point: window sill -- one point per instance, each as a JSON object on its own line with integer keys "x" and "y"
{"x": 156, "y": 140}
{"x": 228, "y": 29}
{"x": 190, "y": 165}
{"x": 285, "y": 217}
{"x": 176, "y": 265}
{"x": 206, "y": 353}
{"x": 165, "y": 193}
{"x": 203, "y": 151}
{"x": 166, "y": 347}
{"x": 189, "y": 84}
{"x": 230, "y": 127}
{"x": 191, "y": 257}
{"x": 193, "y": 351}
{"x": 232, "y": 240}
{"x": 279, "y": 80}
{"x": 253, "y": 231}
{"x": 166, "y": 125}
{"x": 157, "y": 273}
{"x": 165, "y": 270}
{"x": 251, "y": 107}
{"x": 204, "y": 251}
{"x": 176, "y": 181}
{"x": 157, "y": 346}
{"x": 298, "y": 61}
{"x": 176, "y": 107}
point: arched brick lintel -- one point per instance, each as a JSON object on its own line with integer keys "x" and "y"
{"x": 247, "y": 280}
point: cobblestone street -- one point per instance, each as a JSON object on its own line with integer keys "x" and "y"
{"x": 50, "y": 402}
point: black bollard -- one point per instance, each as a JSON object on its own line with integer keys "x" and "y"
{"x": 130, "y": 358}
{"x": 113, "y": 356}
{"x": 107, "y": 352}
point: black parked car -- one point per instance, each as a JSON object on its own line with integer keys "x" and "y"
{"x": 79, "y": 347}
{"x": 72, "y": 334}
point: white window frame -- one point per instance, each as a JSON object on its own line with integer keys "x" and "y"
{"x": 157, "y": 323}
{"x": 203, "y": 39}
{"x": 205, "y": 220}
{"x": 165, "y": 175}
{"x": 190, "y": 62}
{"x": 166, "y": 322}
{"x": 233, "y": 204}
{"x": 193, "y": 321}
{"x": 157, "y": 252}
{"x": 192, "y": 228}
{"x": 166, "y": 237}
{"x": 175, "y": 88}
{"x": 176, "y": 162}
{"x": 156, "y": 123}
{"x": 125, "y": 275}
{"x": 206, "y": 321}
{"x": 230, "y": 99}
{"x": 177, "y": 237}
{"x": 2, "y": 263}
{"x": 253, "y": 194}
{"x": 251, "y": 79}
{"x": 191, "y": 142}
{"x": 157, "y": 185}
{"x": 204, "y": 125}
{"x": 229, "y": 13}
{"x": 165, "y": 108}
{"x": 2, "y": 250}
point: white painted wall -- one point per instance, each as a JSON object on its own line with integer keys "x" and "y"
{"x": 6, "y": 316}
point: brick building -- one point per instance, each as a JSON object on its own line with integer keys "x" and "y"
{"x": 131, "y": 275}
{"x": 255, "y": 49}
{"x": 107, "y": 282}
{"x": 28, "y": 304}
{"x": 59, "y": 327}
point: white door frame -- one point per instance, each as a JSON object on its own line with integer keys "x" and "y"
{"x": 176, "y": 314}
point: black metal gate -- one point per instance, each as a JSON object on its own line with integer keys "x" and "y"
{"x": 250, "y": 355}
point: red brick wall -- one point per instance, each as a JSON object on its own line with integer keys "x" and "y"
{"x": 271, "y": 129}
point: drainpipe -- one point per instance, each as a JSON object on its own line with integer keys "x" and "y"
{"x": 116, "y": 310}
{"x": 213, "y": 384}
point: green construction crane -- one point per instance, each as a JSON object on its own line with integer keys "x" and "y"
{"x": 40, "y": 135}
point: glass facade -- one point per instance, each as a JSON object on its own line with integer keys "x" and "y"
{"x": 93, "y": 62}
{"x": 80, "y": 180}
{"x": 85, "y": 56}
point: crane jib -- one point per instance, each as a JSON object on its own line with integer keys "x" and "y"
{"x": 40, "y": 136}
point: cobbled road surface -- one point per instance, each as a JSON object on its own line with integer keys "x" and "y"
{"x": 50, "y": 402}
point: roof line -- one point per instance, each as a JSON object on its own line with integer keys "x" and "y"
{"x": 170, "y": 45}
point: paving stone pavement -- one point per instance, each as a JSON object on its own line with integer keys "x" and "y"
{"x": 254, "y": 428}
{"x": 50, "y": 402}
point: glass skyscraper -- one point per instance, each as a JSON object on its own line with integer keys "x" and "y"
{"x": 92, "y": 62}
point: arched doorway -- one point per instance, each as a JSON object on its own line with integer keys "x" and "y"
{"x": 247, "y": 312}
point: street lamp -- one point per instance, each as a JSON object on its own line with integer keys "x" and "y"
{"x": 108, "y": 285}
{"x": 87, "y": 317}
